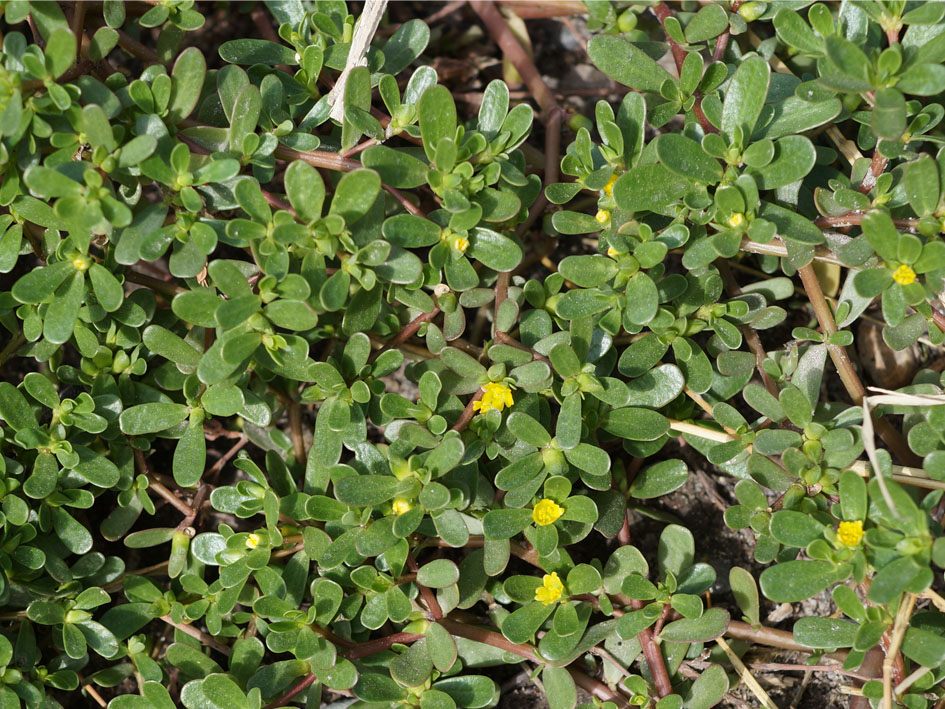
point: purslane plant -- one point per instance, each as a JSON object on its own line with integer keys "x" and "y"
{"x": 383, "y": 421}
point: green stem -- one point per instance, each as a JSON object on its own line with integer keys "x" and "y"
{"x": 155, "y": 284}
{"x": 19, "y": 339}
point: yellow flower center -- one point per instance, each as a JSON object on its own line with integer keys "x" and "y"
{"x": 496, "y": 395}
{"x": 904, "y": 275}
{"x": 602, "y": 216}
{"x": 850, "y": 533}
{"x": 400, "y": 506}
{"x": 550, "y": 590}
{"x": 612, "y": 252}
{"x": 546, "y": 512}
{"x": 736, "y": 220}
{"x": 609, "y": 187}
{"x": 252, "y": 541}
{"x": 461, "y": 243}
{"x": 81, "y": 263}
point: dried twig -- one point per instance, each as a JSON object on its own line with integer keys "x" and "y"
{"x": 204, "y": 638}
{"x": 760, "y": 694}
{"x": 357, "y": 54}
{"x": 748, "y": 332}
{"x": 898, "y": 634}
{"x": 503, "y": 36}
{"x": 160, "y": 488}
{"x": 841, "y": 360}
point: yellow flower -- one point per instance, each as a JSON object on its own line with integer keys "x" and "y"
{"x": 609, "y": 187}
{"x": 602, "y": 216}
{"x": 546, "y": 512}
{"x": 461, "y": 243}
{"x": 497, "y": 396}
{"x": 550, "y": 590}
{"x": 904, "y": 275}
{"x": 81, "y": 263}
{"x": 850, "y": 533}
{"x": 612, "y": 252}
{"x": 736, "y": 220}
{"x": 400, "y": 506}
{"x": 252, "y": 541}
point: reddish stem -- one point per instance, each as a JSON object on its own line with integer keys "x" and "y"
{"x": 468, "y": 412}
{"x": 488, "y": 637}
{"x": 513, "y": 50}
{"x": 542, "y": 9}
{"x": 429, "y": 599}
{"x": 448, "y": 9}
{"x": 501, "y": 293}
{"x": 410, "y": 329}
{"x": 938, "y": 317}
{"x": 552, "y": 152}
{"x": 316, "y": 158}
{"x": 155, "y": 284}
{"x": 654, "y": 657}
{"x": 295, "y": 691}
{"x": 372, "y": 647}
{"x": 661, "y": 621}
{"x": 721, "y": 42}
{"x": 877, "y": 165}
{"x": 32, "y": 85}
{"x": 855, "y": 218}
{"x": 409, "y": 206}
{"x": 364, "y": 145}
{"x": 295, "y": 426}
{"x": 663, "y": 13}
{"x": 506, "y": 339}
{"x": 748, "y": 332}
{"x": 703, "y": 119}
{"x": 278, "y": 203}
{"x": 78, "y": 24}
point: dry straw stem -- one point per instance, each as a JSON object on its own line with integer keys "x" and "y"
{"x": 937, "y": 600}
{"x": 901, "y": 473}
{"x": 899, "y": 633}
{"x": 885, "y": 396}
{"x": 745, "y": 674}
{"x": 838, "y": 354}
{"x": 776, "y": 248}
{"x": 701, "y": 431}
{"x": 910, "y": 680}
{"x": 357, "y": 55}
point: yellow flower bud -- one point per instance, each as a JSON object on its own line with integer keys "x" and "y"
{"x": 850, "y": 533}
{"x": 609, "y": 187}
{"x": 461, "y": 243}
{"x": 904, "y": 275}
{"x": 736, "y": 220}
{"x": 546, "y": 512}
{"x": 602, "y": 217}
{"x": 81, "y": 263}
{"x": 400, "y": 506}
{"x": 253, "y": 541}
